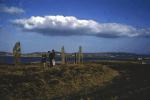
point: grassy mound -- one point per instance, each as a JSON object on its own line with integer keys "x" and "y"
{"x": 33, "y": 82}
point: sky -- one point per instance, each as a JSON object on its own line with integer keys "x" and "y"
{"x": 96, "y": 25}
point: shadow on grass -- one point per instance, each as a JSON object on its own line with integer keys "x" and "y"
{"x": 133, "y": 83}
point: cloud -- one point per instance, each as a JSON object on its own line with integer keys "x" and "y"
{"x": 11, "y": 10}
{"x": 70, "y": 25}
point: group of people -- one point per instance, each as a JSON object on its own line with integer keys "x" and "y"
{"x": 50, "y": 57}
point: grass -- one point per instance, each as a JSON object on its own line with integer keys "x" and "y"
{"x": 101, "y": 80}
{"x": 132, "y": 83}
{"x": 33, "y": 82}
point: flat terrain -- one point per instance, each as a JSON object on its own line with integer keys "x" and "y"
{"x": 90, "y": 81}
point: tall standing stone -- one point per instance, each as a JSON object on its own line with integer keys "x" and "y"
{"x": 17, "y": 52}
{"x": 80, "y": 55}
{"x": 75, "y": 58}
{"x": 63, "y": 55}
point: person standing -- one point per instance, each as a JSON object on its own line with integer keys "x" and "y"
{"x": 50, "y": 58}
{"x": 53, "y": 57}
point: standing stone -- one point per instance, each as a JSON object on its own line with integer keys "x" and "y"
{"x": 63, "y": 55}
{"x": 75, "y": 58}
{"x": 17, "y": 52}
{"x": 80, "y": 55}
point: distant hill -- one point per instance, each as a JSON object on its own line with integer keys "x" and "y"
{"x": 2, "y": 53}
{"x": 98, "y": 54}
{"x": 33, "y": 54}
{"x": 120, "y": 55}
{"x": 36, "y": 54}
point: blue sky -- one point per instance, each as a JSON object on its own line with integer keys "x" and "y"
{"x": 96, "y": 25}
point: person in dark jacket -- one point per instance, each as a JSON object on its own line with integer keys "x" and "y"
{"x": 50, "y": 58}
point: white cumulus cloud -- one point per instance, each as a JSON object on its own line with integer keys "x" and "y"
{"x": 70, "y": 25}
{"x": 11, "y": 10}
